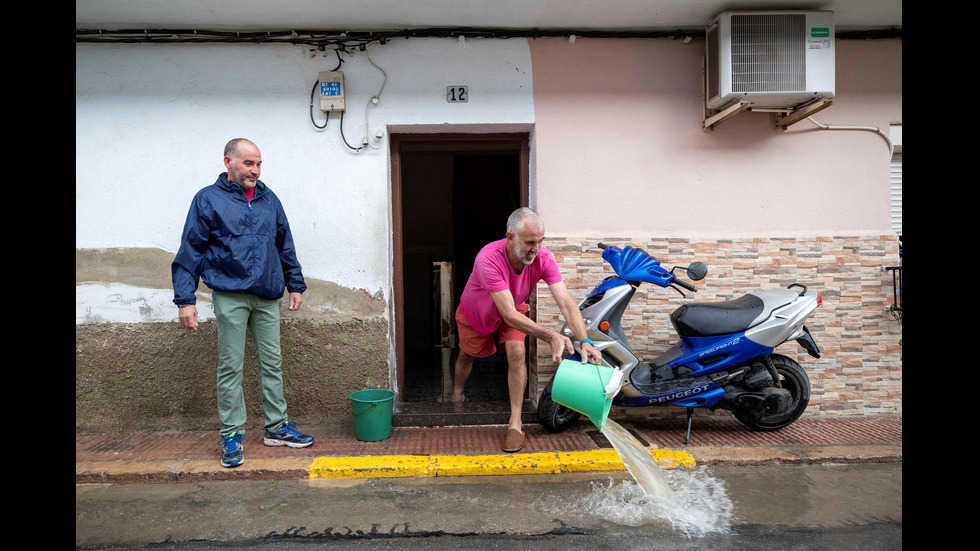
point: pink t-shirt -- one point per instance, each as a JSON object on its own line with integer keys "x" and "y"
{"x": 492, "y": 273}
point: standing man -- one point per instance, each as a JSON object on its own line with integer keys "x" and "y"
{"x": 237, "y": 240}
{"x": 493, "y": 302}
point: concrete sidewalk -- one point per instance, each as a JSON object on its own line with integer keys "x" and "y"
{"x": 475, "y": 450}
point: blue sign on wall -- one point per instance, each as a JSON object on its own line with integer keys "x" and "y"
{"x": 330, "y": 89}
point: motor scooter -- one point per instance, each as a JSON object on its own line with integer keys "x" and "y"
{"x": 725, "y": 356}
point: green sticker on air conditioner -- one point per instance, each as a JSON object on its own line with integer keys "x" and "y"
{"x": 820, "y": 32}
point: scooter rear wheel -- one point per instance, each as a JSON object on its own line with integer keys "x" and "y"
{"x": 793, "y": 378}
{"x": 553, "y": 416}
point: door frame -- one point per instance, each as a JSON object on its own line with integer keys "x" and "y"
{"x": 519, "y": 142}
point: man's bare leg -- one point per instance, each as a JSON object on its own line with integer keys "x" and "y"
{"x": 464, "y": 365}
{"x": 516, "y": 381}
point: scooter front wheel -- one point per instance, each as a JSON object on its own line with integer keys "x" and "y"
{"x": 553, "y": 416}
{"x": 793, "y": 378}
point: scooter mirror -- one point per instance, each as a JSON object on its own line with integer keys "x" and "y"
{"x": 697, "y": 271}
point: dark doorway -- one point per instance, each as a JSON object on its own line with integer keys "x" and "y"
{"x": 451, "y": 196}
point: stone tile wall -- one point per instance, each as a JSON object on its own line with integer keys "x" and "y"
{"x": 860, "y": 371}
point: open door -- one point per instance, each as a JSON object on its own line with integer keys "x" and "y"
{"x": 451, "y": 195}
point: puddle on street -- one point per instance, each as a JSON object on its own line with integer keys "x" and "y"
{"x": 697, "y": 506}
{"x": 691, "y": 501}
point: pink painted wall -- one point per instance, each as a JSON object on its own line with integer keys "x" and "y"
{"x": 621, "y": 120}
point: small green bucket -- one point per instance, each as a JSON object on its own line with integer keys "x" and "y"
{"x": 582, "y": 387}
{"x": 372, "y": 413}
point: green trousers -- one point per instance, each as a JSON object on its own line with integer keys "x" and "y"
{"x": 236, "y": 312}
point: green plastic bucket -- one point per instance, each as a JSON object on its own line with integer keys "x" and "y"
{"x": 582, "y": 387}
{"x": 372, "y": 413}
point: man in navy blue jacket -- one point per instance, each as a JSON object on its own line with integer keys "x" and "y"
{"x": 237, "y": 240}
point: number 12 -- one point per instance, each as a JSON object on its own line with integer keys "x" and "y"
{"x": 457, "y": 94}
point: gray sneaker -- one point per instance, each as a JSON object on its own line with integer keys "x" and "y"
{"x": 287, "y": 435}
{"x": 231, "y": 450}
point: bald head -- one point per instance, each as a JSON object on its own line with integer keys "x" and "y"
{"x": 244, "y": 162}
{"x": 521, "y": 216}
{"x": 231, "y": 148}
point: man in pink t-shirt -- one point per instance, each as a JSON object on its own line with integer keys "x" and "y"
{"x": 493, "y": 303}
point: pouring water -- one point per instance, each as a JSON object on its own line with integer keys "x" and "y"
{"x": 699, "y": 506}
{"x": 637, "y": 459}
{"x": 588, "y": 389}
{"x": 696, "y": 505}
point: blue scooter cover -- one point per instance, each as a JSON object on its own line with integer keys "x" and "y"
{"x": 636, "y": 265}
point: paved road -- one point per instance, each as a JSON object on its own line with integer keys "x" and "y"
{"x": 857, "y": 506}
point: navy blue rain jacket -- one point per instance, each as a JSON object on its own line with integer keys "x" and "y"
{"x": 236, "y": 246}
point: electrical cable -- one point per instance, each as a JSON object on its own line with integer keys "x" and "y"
{"x": 355, "y": 39}
{"x": 356, "y": 149}
{"x": 383, "y": 82}
{"x": 373, "y": 101}
{"x": 327, "y": 113}
{"x": 891, "y": 146}
{"x": 340, "y": 60}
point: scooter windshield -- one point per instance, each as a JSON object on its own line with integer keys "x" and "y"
{"x": 636, "y": 265}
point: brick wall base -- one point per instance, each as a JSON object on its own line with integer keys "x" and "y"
{"x": 860, "y": 370}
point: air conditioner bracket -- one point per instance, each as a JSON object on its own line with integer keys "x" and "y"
{"x": 785, "y": 120}
{"x": 721, "y": 116}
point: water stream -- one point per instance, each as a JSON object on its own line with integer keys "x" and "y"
{"x": 690, "y": 500}
{"x": 638, "y": 460}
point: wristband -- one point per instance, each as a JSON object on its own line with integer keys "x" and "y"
{"x": 583, "y": 341}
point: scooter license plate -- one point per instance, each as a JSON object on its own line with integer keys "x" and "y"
{"x": 808, "y": 344}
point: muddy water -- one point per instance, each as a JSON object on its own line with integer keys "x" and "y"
{"x": 638, "y": 460}
{"x": 691, "y": 501}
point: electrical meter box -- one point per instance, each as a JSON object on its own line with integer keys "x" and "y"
{"x": 331, "y": 87}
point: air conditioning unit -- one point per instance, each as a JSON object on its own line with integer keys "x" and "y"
{"x": 771, "y": 59}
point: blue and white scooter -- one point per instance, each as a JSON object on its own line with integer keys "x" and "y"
{"x": 724, "y": 358}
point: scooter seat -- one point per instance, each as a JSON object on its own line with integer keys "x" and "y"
{"x": 707, "y": 319}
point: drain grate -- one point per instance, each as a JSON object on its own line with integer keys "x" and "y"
{"x": 603, "y": 442}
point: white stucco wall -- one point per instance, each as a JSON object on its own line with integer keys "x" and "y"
{"x": 151, "y": 122}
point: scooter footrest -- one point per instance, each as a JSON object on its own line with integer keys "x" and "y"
{"x": 670, "y": 387}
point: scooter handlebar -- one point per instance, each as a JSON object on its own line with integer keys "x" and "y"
{"x": 685, "y": 285}
{"x": 663, "y": 278}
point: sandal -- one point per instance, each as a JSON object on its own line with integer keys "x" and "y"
{"x": 514, "y": 441}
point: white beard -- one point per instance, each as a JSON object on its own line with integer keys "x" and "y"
{"x": 522, "y": 258}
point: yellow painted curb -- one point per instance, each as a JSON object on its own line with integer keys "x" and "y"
{"x": 672, "y": 459}
{"x": 370, "y": 467}
{"x": 460, "y": 465}
{"x": 523, "y": 463}
{"x": 594, "y": 460}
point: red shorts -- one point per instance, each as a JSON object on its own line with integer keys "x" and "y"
{"x": 479, "y": 345}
